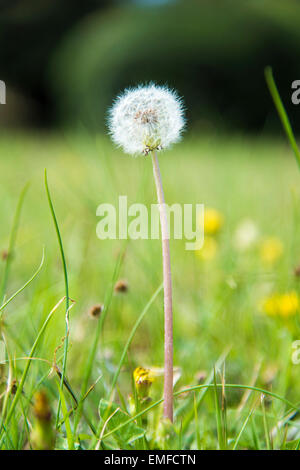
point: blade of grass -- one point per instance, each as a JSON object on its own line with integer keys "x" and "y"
{"x": 130, "y": 338}
{"x": 282, "y": 112}
{"x": 66, "y": 342}
{"x": 200, "y": 387}
{"x": 122, "y": 400}
{"x": 65, "y": 413}
{"x": 71, "y": 411}
{"x": 224, "y": 408}
{"x": 255, "y": 434}
{"x": 247, "y": 393}
{"x": 26, "y": 428}
{"x": 127, "y": 345}
{"x": 104, "y": 427}
{"x": 180, "y": 436}
{"x": 25, "y": 372}
{"x": 266, "y": 427}
{"x": 24, "y": 286}
{"x": 218, "y": 414}
{"x": 190, "y": 414}
{"x": 9, "y": 379}
{"x": 196, "y": 423}
{"x": 92, "y": 353}
{"x": 242, "y": 429}
{"x": 12, "y": 241}
{"x": 7, "y": 437}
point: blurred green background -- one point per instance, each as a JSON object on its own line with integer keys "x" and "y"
{"x": 63, "y": 64}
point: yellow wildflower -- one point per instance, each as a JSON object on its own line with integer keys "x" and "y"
{"x": 213, "y": 221}
{"x": 289, "y": 304}
{"x": 143, "y": 380}
{"x": 271, "y": 305}
{"x": 271, "y": 250}
{"x": 282, "y": 305}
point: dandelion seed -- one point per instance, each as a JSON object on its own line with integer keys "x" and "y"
{"x": 146, "y": 118}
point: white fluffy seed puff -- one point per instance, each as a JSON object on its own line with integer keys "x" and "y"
{"x": 146, "y": 118}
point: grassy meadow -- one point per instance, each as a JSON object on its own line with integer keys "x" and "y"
{"x": 236, "y": 305}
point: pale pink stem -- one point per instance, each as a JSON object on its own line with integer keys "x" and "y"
{"x": 168, "y": 372}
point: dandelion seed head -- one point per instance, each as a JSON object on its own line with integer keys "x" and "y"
{"x": 146, "y": 118}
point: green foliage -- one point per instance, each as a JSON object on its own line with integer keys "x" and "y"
{"x": 217, "y": 310}
{"x": 113, "y": 417}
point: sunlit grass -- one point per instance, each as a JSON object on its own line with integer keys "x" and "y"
{"x": 217, "y": 301}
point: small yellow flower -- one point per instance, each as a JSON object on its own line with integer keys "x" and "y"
{"x": 282, "y": 305}
{"x": 213, "y": 221}
{"x": 209, "y": 249}
{"x": 271, "y": 305}
{"x": 271, "y": 250}
{"x": 143, "y": 380}
{"x": 289, "y": 304}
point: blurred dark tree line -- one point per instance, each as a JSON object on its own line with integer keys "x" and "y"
{"x": 73, "y": 57}
{"x": 30, "y": 32}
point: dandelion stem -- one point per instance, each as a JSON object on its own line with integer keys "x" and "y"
{"x": 168, "y": 348}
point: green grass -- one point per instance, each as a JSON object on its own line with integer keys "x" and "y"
{"x": 217, "y": 315}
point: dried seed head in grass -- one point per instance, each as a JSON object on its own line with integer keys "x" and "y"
{"x": 14, "y": 387}
{"x": 297, "y": 271}
{"x": 201, "y": 376}
{"x": 96, "y": 310}
{"x": 42, "y": 435}
{"x": 4, "y": 255}
{"x": 121, "y": 287}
